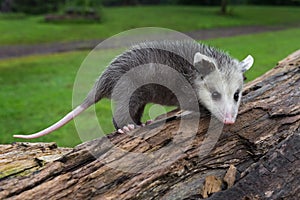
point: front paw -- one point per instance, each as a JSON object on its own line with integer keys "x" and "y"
{"x": 127, "y": 129}
{"x": 130, "y": 127}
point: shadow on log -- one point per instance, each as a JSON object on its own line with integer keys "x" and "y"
{"x": 172, "y": 160}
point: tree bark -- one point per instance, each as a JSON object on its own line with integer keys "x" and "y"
{"x": 160, "y": 162}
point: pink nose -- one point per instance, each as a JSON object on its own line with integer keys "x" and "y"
{"x": 228, "y": 119}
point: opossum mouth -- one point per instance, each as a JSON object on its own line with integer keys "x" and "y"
{"x": 228, "y": 122}
{"x": 228, "y": 119}
{"x": 225, "y": 117}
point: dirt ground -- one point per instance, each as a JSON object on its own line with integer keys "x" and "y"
{"x": 26, "y": 50}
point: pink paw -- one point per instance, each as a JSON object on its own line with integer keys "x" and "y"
{"x": 130, "y": 127}
{"x": 127, "y": 129}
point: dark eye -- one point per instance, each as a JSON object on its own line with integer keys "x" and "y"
{"x": 236, "y": 95}
{"x": 215, "y": 95}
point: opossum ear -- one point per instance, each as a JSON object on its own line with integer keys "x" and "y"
{"x": 246, "y": 63}
{"x": 203, "y": 64}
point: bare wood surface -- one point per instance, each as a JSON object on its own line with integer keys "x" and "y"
{"x": 159, "y": 162}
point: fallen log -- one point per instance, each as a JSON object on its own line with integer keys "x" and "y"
{"x": 260, "y": 154}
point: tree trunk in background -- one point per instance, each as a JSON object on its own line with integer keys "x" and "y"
{"x": 224, "y": 4}
{"x": 260, "y": 154}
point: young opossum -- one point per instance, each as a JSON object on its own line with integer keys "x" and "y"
{"x": 215, "y": 77}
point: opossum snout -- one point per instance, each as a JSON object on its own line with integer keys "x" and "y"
{"x": 228, "y": 119}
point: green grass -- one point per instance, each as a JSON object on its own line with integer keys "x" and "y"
{"x": 36, "y": 91}
{"x": 32, "y": 29}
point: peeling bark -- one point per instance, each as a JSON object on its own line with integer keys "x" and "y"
{"x": 159, "y": 162}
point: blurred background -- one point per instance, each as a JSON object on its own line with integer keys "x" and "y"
{"x": 44, "y": 42}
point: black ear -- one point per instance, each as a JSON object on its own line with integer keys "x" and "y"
{"x": 203, "y": 64}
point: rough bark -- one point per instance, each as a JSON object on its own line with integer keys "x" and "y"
{"x": 263, "y": 145}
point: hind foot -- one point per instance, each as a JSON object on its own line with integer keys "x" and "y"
{"x": 130, "y": 127}
{"x": 149, "y": 122}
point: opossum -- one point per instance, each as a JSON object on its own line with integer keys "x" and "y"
{"x": 215, "y": 77}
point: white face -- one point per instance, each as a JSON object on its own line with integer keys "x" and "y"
{"x": 221, "y": 96}
{"x": 220, "y": 92}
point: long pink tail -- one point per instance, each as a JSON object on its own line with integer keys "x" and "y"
{"x": 71, "y": 115}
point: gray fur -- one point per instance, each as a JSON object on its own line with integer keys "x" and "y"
{"x": 180, "y": 56}
{"x": 177, "y": 54}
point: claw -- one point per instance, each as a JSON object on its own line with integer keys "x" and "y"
{"x": 131, "y": 126}
{"x": 120, "y": 131}
{"x": 126, "y": 129}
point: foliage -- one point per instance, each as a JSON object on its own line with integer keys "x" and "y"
{"x": 274, "y": 2}
{"x": 83, "y": 5}
{"x": 119, "y": 2}
{"x": 202, "y": 2}
{"x": 77, "y": 11}
{"x": 199, "y": 2}
{"x": 46, "y": 6}
{"x": 35, "y": 6}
